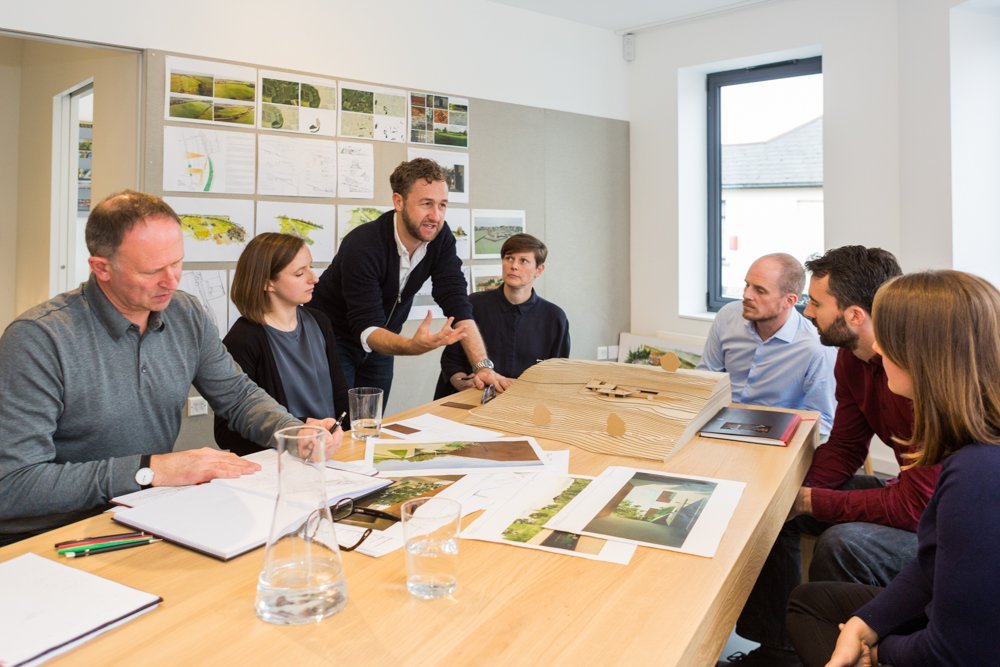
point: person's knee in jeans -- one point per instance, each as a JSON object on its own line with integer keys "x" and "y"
{"x": 854, "y": 552}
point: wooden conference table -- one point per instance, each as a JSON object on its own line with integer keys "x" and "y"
{"x": 512, "y": 606}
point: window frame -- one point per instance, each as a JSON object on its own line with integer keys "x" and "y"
{"x": 714, "y": 82}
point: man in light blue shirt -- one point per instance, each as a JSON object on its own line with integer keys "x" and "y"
{"x": 771, "y": 352}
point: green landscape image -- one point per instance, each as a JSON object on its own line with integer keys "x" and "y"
{"x": 279, "y": 118}
{"x": 235, "y": 90}
{"x": 647, "y": 355}
{"x": 490, "y": 234}
{"x": 451, "y": 135}
{"x": 278, "y": 91}
{"x": 531, "y": 527}
{"x": 391, "y": 499}
{"x": 358, "y": 101}
{"x": 318, "y": 97}
{"x": 191, "y": 84}
{"x": 182, "y": 107}
{"x": 239, "y": 114}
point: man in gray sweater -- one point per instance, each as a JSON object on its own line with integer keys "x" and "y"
{"x": 92, "y": 382}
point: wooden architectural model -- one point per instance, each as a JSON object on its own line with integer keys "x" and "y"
{"x": 609, "y": 408}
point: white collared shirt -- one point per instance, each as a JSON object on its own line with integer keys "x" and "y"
{"x": 407, "y": 263}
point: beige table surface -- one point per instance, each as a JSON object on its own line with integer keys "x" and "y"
{"x": 513, "y": 606}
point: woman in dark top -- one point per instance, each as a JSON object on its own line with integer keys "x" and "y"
{"x": 939, "y": 336}
{"x": 285, "y": 347}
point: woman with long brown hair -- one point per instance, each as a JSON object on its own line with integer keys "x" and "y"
{"x": 939, "y": 336}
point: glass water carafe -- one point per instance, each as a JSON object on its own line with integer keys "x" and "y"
{"x": 303, "y": 577}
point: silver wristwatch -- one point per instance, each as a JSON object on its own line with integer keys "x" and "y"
{"x": 481, "y": 364}
{"x": 144, "y": 475}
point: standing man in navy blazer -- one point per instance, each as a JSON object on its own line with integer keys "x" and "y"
{"x": 369, "y": 287}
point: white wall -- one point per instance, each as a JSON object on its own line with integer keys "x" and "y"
{"x": 470, "y": 47}
{"x": 975, "y": 132}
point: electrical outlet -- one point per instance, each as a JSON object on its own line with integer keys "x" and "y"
{"x": 602, "y": 353}
{"x": 613, "y": 352}
{"x": 197, "y": 406}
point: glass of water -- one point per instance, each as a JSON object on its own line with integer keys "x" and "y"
{"x": 366, "y": 412}
{"x": 430, "y": 530}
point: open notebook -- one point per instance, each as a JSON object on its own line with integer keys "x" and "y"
{"x": 49, "y": 608}
{"x": 227, "y": 517}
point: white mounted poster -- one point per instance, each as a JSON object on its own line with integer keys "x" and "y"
{"x": 296, "y": 103}
{"x": 355, "y": 170}
{"x": 441, "y": 120}
{"x": 456, "y": 167}
{"x": 653, "y": 508}
{"x": 490, "y": 228}
{"x": 205, "y": 91}
{"x": 486, "y": 277}
{"x": 215, "y": 230}
{"x": 211, "y": 288}
{"x": 197, "y": 159}
{"x": 351, "y": 217}
{"x": 372, "y": 112}
{"x": 459, "y": 220}
{"x": 313, "y": 223}
{"x": 297, "y": 167}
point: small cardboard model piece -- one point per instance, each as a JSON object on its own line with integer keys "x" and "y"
{"x": 670, "y": 362}
{"x": 542, "y": 416}
{"x": 616, "y": 425}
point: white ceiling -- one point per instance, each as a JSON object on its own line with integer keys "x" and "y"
{"x": 623, "y": 16}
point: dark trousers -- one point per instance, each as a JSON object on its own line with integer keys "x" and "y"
{"x": 365, "y": 369}
{"x": 863, "y": 553}
{"x": 815, "y": 611}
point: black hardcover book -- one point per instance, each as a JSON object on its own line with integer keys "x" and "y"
{"x": 765, "y": 427}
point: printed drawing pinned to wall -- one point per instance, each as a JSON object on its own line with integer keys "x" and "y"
{"x": 439, "y": 120}
{"x": 356, "y": 170}
{"x": 646, "y": 351}
{"x": 201, "y": 160}
{"x": 423, "y": 301}
{"x": 295, "y": 103}
{"x": 215, "y": 230}
{"x": 313, "y": 223}
{"x": 297, "y": 167}
{"x": 203, "y": 91}
{"x": 456, "y": 167}
{"x": 486, "y": 277}
{"x": 491, "y": 228}
{"x": 459, "y": 222}
{"x": 372, "y": 112}
{"x": 352, "y": 217}
{"x": 211, "y": 289}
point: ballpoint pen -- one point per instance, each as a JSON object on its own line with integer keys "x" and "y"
{"x": 339, "y": 421}
{"x": 101, "y": 538}
{"x": 100, "y": 550}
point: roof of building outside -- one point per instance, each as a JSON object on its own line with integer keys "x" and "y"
{"x": 792, "y": 159}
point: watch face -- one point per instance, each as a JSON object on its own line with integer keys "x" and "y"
{"x": 144, "y": 476}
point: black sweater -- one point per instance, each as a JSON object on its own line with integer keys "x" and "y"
{"x": 360, "y": 289}
{"x": 247, "y": 342}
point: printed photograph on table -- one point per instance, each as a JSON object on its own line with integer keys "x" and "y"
{"x": 667, "y": 511}
{"x": 215, "y": 230}
{"x": 297, "y": 166}
{"x": 295, "y": 103}
{"x": 490, "y": 228}
{"x": 459, "y": 221}
{"x": 355, "y": 170}
{"x": 204, "y": 91}
{"x": 439, "y": 119}
{"x": 402, "y": 457}
{"x": 390, "y": 499}
{"x": 486, "y": 277}
{"x": 456, "y": 168}
{"x": 197, "y": 159}
{"x": 372, "y": 112}
{"x": 211, "y": 288}
{"x": 350, "y": 218}
{"x": 520, "y": 521}
{"x": 646, "y": 350}
{"x": 313, "y": 223}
